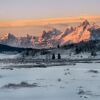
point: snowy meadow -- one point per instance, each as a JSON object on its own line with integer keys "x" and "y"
{"x": 71, "y": 82}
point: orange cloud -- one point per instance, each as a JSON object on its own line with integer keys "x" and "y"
{"x": 20, "y": 23}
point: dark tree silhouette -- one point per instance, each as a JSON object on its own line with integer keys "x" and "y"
{"x": 59, "y": 56}
{"x": 53, "y": 56}
{"x": 58, "y": 46}
{"x": 93, "y": 53}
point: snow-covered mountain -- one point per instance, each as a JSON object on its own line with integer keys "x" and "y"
{"x": 50, "y": 38}
{"x": 8, "y": 39}
{"x": 11, "y": 40}
{"x": 83, "y": 32}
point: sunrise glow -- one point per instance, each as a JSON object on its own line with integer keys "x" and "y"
{"x": 36, "y": 22}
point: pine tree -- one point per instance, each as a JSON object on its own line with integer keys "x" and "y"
{"x": 58, "y": 46}
{"x": 53, "y": 56}
{"x": 59, "y": 56}
{"x": 93, "y": 53}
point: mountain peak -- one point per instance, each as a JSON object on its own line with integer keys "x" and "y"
{"x": 85, "y": 23}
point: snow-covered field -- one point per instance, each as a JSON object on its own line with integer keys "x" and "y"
{"x": 9, "y": 56}
{"x": 75, "y": 82}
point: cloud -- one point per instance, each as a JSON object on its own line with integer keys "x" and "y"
{"x": 37, "y": 22}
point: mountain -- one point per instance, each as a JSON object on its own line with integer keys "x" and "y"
{"x": 83, "y": 32}
{"x": 50, "y": 38}
{"x": 22, "y": 42}
{"x": 80, "y": 33}
{"x": 8, "y": 39}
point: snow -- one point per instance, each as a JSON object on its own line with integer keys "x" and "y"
{"x": 8, "y": 56}
{"x": 56, "y": 83}
{"x": 70, "y": 54}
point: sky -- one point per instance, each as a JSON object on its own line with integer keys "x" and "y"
{"x": 37, "y": 9}
{"x": 18, "y": 13}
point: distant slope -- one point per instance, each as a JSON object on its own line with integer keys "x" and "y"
{"x": 5, "y": 48}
